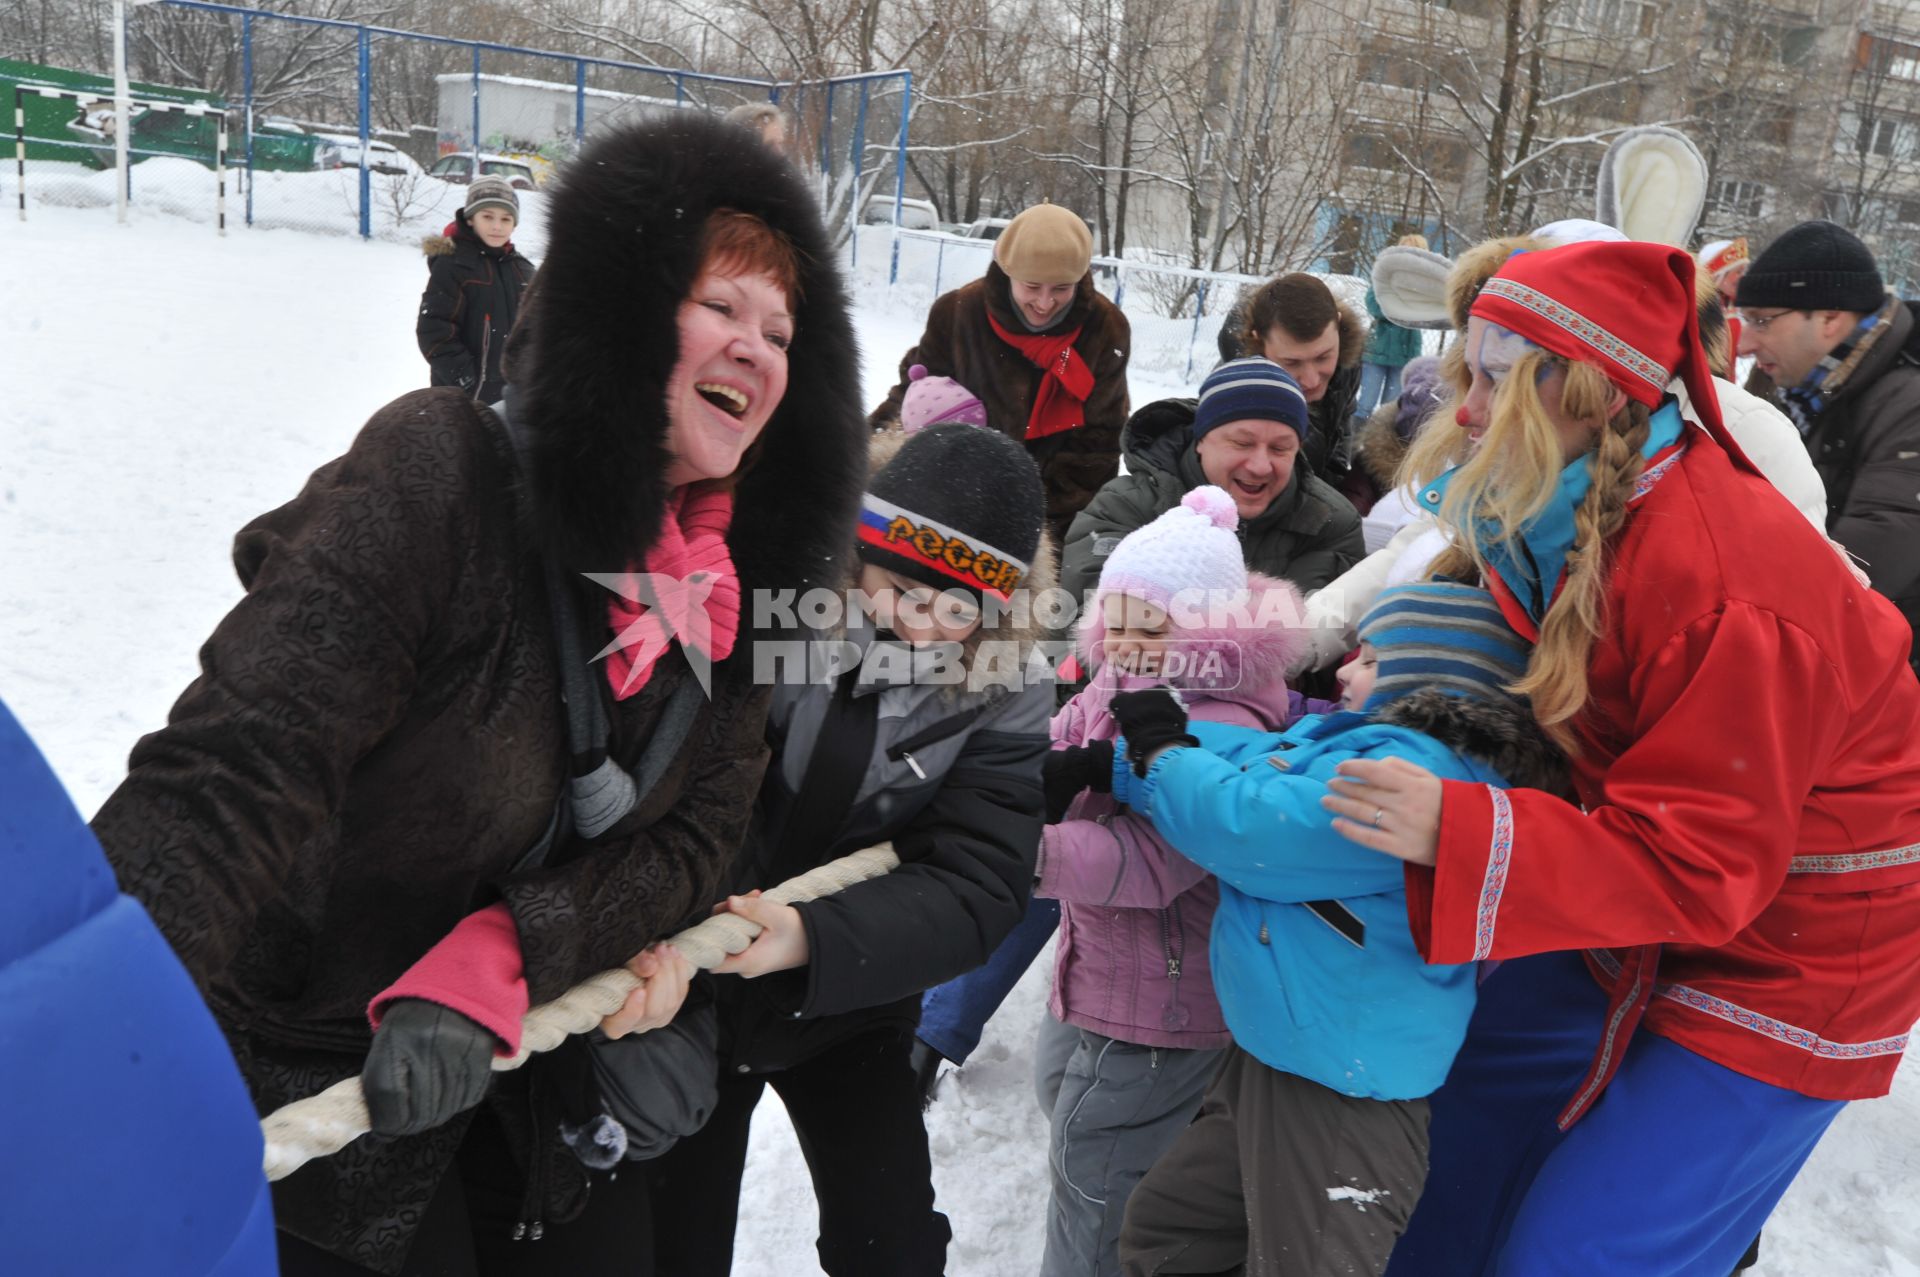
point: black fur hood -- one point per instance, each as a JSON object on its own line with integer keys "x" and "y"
{"x": 589, "y": 361}
{"x": 1502, "y": 734}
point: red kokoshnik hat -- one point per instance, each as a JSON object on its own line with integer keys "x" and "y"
{"x": 1630, "y": 308}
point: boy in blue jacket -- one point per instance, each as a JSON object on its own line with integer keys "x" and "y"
{"x": 1310, "y": 1150}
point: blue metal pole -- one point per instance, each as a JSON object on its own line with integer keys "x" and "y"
{"x": 939, "y": 265}
{"x": 366, "y": 186}
{"x": 900, "y": 174}
{"x": 679, "y": 89}
{"x": 1199, "y": 309}
{"x": 476, "y": 115}
{"x": 826, "y": 136}
{"x": 1120, "y": 290}
{"x": 246, "y": 93}
{"x": 859, "y": 154}
{"x": 579, "y": 103}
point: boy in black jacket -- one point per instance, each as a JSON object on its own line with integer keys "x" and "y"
{"x": 474, "y": 281}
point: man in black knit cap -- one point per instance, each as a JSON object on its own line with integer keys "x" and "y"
{"x": 1844, "y": 355}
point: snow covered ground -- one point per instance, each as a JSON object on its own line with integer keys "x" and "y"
{"x": 159, "y": 386}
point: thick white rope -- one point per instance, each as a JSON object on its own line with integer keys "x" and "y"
{"x": 324, "y": 1124}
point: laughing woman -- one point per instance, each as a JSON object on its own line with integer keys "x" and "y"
{"x": 1741, "y": 880}
{"x": 370, "y": 791}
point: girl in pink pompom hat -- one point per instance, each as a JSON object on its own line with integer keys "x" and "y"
{"x": 935, "y": 401}
{"x": 1134, "y": 1032}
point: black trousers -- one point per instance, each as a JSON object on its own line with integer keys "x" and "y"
{"x": 467, "y": 1228}
{"x": 857, "y": 1114}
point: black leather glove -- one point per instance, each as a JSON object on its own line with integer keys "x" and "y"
{"x": 1070, "y": 772}
{"x": 1150, "y": 720}
{"x": 428, "y": 1064}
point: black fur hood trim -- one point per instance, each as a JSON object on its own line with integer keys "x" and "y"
{"x": 1502, "y": 734}
{"x": 589, "y": 361}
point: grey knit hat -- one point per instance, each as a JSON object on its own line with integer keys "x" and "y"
{"x": 492, "y": 192}
{"x": 1814, "y": 266}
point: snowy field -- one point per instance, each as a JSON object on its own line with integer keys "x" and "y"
{"x": 159, "y": 386}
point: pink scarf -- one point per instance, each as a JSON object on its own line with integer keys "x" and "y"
{"x": 689, "y": 578}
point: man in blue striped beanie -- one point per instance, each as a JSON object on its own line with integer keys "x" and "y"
{"x": 1245, "y": 433}
{"x": 1249, "y": 426}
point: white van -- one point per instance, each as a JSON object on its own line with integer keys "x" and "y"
{"x": 915, "y": 215}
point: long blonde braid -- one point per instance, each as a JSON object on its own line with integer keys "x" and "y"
{"x": 1509, "y": 479}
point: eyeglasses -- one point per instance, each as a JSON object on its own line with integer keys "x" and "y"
{"x": 1760, "y": 323}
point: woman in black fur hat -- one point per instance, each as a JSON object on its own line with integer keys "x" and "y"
{"x": 370, "y": 796}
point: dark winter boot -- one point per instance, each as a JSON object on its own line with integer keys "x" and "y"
{"x": 1749, "y": 1259}
{"x": 926, "y": 1064}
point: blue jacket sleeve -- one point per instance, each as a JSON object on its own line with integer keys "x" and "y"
{"x": 1261, "y": 829}
{"x": 1234, "y": 742}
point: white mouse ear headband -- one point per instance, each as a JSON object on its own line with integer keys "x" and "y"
{"x": 1410, "y": 286}
{"x": 1653, "y": 186}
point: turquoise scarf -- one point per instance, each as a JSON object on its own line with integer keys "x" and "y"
{"x": 1531, "y": 563}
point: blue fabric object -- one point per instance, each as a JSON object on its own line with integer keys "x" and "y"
{"x": 1372, "y": 1021}
{"x": 1378, "y": 384}
{"x": 1254, "y": 388}
{"x": 1442, "y": 635}
{"x": 129, "y": 1143}
{"x": 1532, "y": 569}
{"x": 954, "y": 1015}
{"x": 1671, "y": 1174}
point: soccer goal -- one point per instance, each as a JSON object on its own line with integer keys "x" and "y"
{"x": 82, "y": 101}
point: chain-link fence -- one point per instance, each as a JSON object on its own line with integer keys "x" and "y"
{"x": 1175, "y": 312}
{"x": 349, "y": 129}
{"x": 851, "y": 138}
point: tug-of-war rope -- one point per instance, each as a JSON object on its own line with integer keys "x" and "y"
{"x": 324, "y": 1124}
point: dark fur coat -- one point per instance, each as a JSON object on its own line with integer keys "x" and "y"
{"x": 376, "y": 737}
{"x": 958, "y": 343}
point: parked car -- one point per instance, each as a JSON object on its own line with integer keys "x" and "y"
{"x": 458, "y": 169}
{"x": 915, "y": 215}
{"x": 382, "y": 157}
{"x": 987, "y": 227}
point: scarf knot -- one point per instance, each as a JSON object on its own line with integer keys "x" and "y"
{"x": 1065, "y": 382}
{"x": 687, "y": 591}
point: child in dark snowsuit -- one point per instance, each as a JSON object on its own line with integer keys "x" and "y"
{"x": 932, "y": 739}
{"x": 474, "y": 281}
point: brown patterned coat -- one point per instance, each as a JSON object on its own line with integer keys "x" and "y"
{"x": 376, "y": 736}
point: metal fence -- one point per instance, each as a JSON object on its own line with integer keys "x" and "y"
{"x": 346, "y": 128}
{"x": 1175, "y": 312}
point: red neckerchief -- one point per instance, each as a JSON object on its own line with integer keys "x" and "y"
{"x": 1061, "y": 403}
{"x": 691, "y": 581}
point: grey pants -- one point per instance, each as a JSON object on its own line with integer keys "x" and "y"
{"x": 1115, "y": 1107}
{"x": 1279, "y": 1176}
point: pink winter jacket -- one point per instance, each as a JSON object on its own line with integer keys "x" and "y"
{"x": 1131, "y": 958}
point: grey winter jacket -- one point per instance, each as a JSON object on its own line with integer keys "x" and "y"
{"x": 1866, "y": 446}
{"x": 1309, "y": 535}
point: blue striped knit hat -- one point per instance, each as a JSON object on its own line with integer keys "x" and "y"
{"x": 1443, "y": 635}
{"x": 1250, "y": 389}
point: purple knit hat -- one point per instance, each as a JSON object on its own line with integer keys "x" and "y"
{"x": 934, "y": 401}
{"x": 1422, "y": 390}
